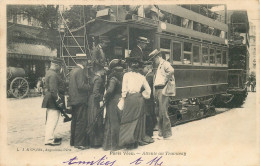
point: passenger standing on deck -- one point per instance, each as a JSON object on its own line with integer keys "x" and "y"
{"x": 113, "y": 93}
{"x": 78, "y": 97}
{"x": 98, "y": 55}
{"x": 95, "y": 116}
{"x": 137, "y": 51}
{"x": 53, "y": 92}
{"x": 132, "y": 126}
{"x": 163, "y": 75}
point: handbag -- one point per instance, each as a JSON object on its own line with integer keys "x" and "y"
{"x": 121, "y": 104}
{"x": 170, "y": 88}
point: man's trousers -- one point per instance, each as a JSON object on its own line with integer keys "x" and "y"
{"x": 164, "y": 123}
{"x": 52, "y": 116}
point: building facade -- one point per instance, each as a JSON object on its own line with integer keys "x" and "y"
{"x": 252, "y": 50}
{"x": 28, "y": 46}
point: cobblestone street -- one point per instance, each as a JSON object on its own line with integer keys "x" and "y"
{"x": 224, "y": 134}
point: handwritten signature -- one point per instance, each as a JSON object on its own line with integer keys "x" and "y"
{"x": 104, "y": 161}
{"x": 155, "y": 161}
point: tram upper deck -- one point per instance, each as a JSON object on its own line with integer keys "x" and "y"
{"x": 193, "y": 42}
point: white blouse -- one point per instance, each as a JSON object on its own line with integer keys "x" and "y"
{"x": 133, "y": 82}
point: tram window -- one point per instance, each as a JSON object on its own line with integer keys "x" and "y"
{"x": 187, "y": 53}
{"x": 196, "y": 54}
{"x": 187, "y": 58}
{"x": 165, "y": 43}
{"x": 205, "y": 56}
{"x": 224, "y": 56}
{"x": 187, "y": 46}
{"x": 165, "y": 47}
{"x": 196, "y": 26}
{"x": 176, "y": 50}
{"x": 176, "y": 20}
{"x": 217, "y": 32}
{"x": 218, "y": 56}
{"x": 212, "y": 56}
{"x": 204, "y": 29}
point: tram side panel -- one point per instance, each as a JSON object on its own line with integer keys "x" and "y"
{"x": 195, "y": 81}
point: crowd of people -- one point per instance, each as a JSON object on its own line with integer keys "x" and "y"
{"x": 119, "y": 106}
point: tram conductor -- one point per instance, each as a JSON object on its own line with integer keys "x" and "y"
{"x": 137, "y": 51}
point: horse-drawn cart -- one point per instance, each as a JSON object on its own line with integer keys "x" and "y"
{"x": 17, "y": 85}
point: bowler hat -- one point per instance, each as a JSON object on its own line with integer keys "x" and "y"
{"x": 142, "y": 39}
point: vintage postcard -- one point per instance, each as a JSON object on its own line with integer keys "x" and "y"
{"x": 125, "y": 83}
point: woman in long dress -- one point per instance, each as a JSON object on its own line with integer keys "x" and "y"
{"x": 113, "y": 93}
{"x": 95, "y": 128}
{"x": 132, "y": 126}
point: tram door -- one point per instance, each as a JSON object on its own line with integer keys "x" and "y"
{"x": 134, "y": 33}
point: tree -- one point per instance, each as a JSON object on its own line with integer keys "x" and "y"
{"x": 78, "y": 15}
{"x": 46, "y": 14}
{"x": 48, "y": 17}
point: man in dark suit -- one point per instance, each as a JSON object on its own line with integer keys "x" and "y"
{"x": 137, "y": 51}
{"x": 78, "y": 98}
{"x": 98, "y": 54}
{"x": 54, "y": 89}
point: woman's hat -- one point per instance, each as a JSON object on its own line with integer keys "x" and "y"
{"x": 131, "y": 60}
{"x": 116, "y": 63}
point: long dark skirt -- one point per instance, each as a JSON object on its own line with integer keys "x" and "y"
{"x": 96, "y": 133}
{"x": 132, "y": 126}
{"x": 79, "y": 125}
{"x": 112, "y": 124}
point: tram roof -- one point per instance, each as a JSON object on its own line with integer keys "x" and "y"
{"x": 97, "y": 27}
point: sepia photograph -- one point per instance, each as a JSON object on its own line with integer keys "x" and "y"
{"x": 165, "y": 83}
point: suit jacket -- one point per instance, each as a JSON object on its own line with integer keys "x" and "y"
{"x": 78, "y": 87}
{"x": 137, "y": 53}
{"x": 98, "y": 58}
{"x": 54, "y": 86}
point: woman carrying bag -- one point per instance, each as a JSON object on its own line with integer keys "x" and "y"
{"x": 132, "y": 126}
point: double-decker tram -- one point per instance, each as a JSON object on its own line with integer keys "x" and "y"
{"x": 193, "y": 38}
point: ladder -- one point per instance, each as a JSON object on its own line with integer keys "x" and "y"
{"x": 74, "y": 44}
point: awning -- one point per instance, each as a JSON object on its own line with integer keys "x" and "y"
{"x": 99, "y": 27}
{"x": 30, "y": 51}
